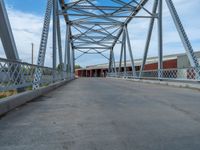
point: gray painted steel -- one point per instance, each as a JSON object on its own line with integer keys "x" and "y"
{"x": 83, "y": 41}
{"x": 160, "y": 38}
{"x": 54, "y": 42}
{"x": 43, "y": 44}
{"x": 6, "y": 35}
{"x": 60, "y": 51}
{"x": 106, "y": 114}
{"x": 151, "y": 25}
{"x": 130, "y": 51}
{"x": 184, "y": 38}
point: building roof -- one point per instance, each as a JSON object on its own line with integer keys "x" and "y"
{"x": 137, "y": 62}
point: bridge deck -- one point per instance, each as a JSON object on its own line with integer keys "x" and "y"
{"x": 106, "y": 114}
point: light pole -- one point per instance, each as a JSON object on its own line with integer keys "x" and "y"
{"x": 32, "y": 55}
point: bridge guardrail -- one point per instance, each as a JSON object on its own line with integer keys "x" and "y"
{"x": 185, "y": 74}
{"x": 15, "y": 75}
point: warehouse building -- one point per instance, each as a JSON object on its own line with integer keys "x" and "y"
{"x": 178, "y": 61}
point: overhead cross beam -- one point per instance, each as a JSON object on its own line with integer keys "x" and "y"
{"x": 94, "y": 25}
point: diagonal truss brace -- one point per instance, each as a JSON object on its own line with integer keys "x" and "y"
{"x": 6, "y": 34}
{"x": 43, "y": 45}
{"x": 184, "y": 38}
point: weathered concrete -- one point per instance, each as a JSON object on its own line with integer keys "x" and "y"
{"x": 106, "y": 114}
{"x": 9, "y": 103}
{"x": 190, "y": 85}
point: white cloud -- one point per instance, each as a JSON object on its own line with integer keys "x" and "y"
{"x": 27, "y": 29}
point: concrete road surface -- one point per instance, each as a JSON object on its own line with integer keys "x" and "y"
{"x": 106, "y": 114}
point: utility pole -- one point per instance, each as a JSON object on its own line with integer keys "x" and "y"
{"x": 32, "y": 55}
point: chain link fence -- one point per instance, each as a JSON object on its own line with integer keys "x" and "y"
{"x": 186, "y": 74}
{"x": 17, "y": 75}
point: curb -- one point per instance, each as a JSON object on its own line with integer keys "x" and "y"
{"x": 167, "y": 83}
{"x": 9, "y": 103}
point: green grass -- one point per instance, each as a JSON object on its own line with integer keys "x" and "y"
{"x": 7, "y": 93}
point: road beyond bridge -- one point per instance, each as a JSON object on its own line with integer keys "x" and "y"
{"x": 106, "y": 114}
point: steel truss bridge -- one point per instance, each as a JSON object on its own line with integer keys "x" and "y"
{"x": 91, "y": 28}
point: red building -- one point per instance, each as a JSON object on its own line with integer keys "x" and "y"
{"x": 170, "y": 62}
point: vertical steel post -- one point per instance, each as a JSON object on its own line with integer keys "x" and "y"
{"x": 125, "y": 69}
{"x": 114, "y": 64}
{"x": 54, "y": 38}
{"x": 110, "y": 62}
{"x": 66, "y": 51}
{"x": 151, "y": 25}
{"x": 72, "y": 63}
{"x": 130, "y": 52}
{"x": 160, "y": 39}
{"x": 59, "y": 41}
{"x": 121, "y": 54}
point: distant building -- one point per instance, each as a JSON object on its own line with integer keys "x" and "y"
{"x": 170, "y": 62}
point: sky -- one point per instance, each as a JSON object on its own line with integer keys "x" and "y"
{"x": 26, "y": 18}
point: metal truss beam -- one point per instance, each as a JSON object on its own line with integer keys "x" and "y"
{"x": 87, "y": 25}
{"x": 87, "y": 7}
{"x": 43, "y": 45}
{"x": 103, "y": 16}
{"x": 134, "y": 13}
{"x": 55, "y": 18}
{"x": 91, "y": 47}
{"x": 92, "y": 29}
{"x": 59, "y": 40}
{"x": 160, "y": 39}
{"x": 184, "y": 38}
{"x": 151, "y": 24}
{"x": 130, "y": 52}
{"x": 6, "y": 34}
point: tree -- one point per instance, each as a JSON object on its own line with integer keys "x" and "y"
{"x": 77, "y": 67}
{"x": 60, "y": 67}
